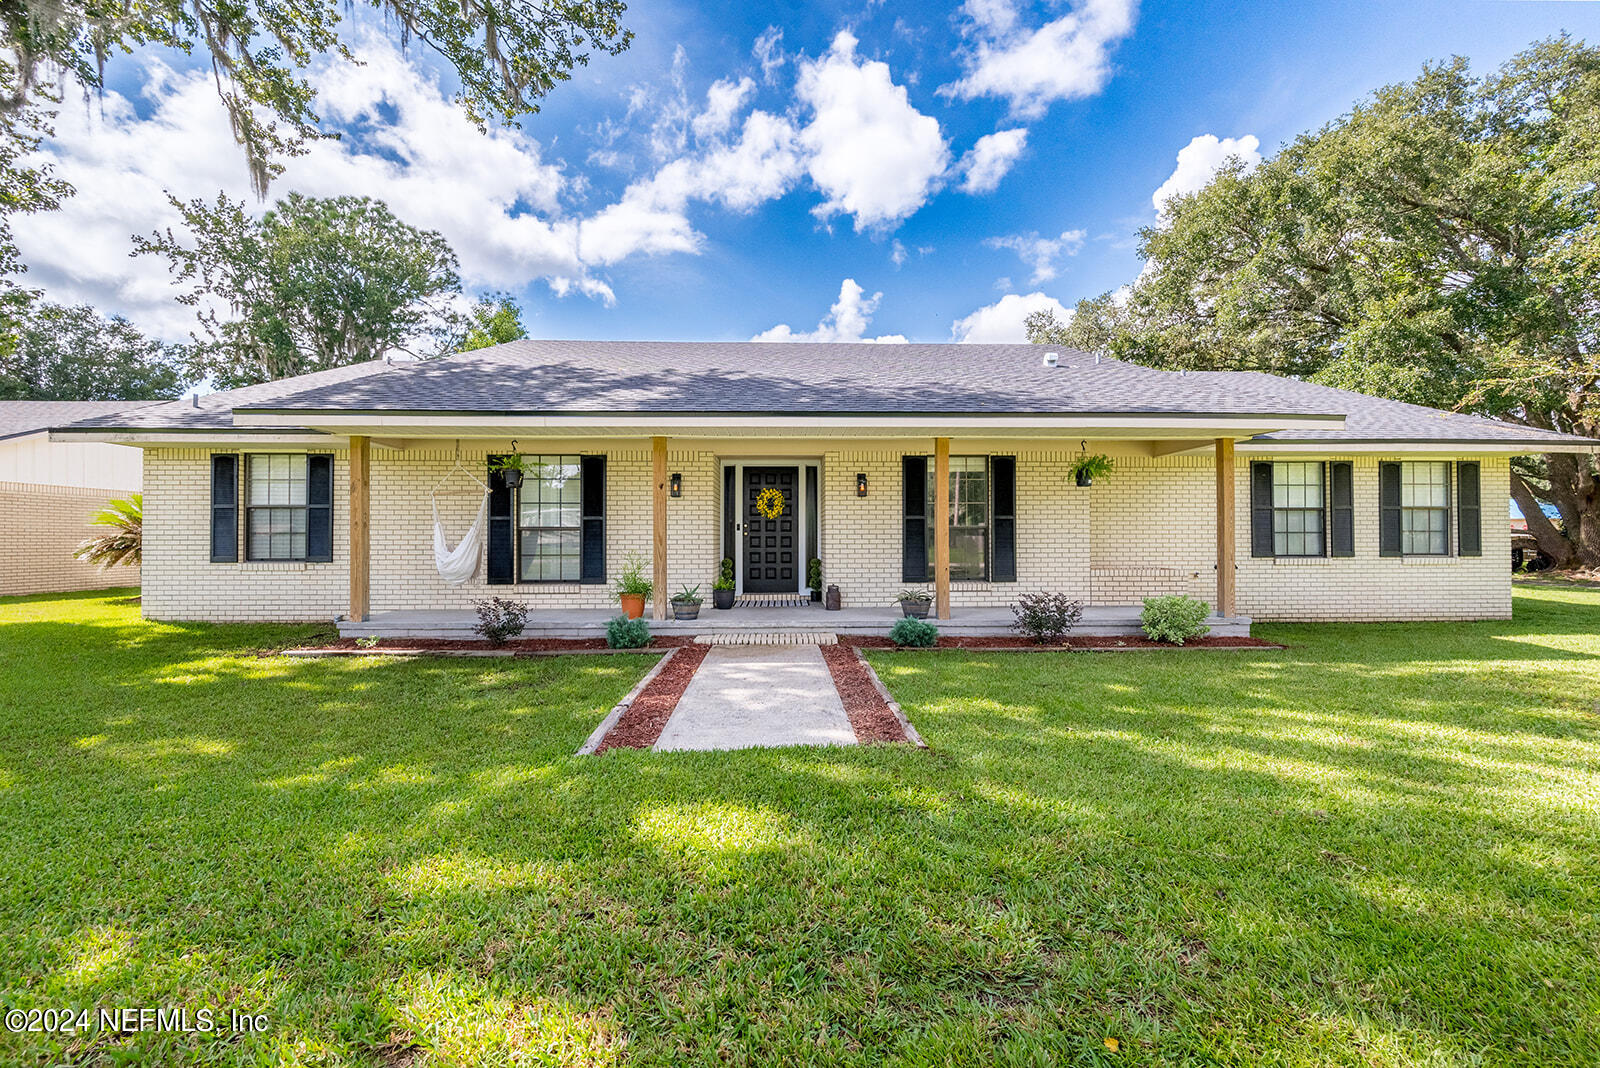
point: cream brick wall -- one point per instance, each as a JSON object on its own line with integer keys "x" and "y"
{"x": 1369, "y": 587}
{"x": 1148, "y": 529}
{"x": 40, "y": 527}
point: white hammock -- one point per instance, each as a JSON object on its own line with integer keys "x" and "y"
{"x": 461, "y": 563}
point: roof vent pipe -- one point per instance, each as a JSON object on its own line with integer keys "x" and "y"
{"x": 1051, "y": 359}
{"x": 1097, "y": 359}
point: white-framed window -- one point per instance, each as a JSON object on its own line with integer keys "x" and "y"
{"x": 969, "y": 518}
{"x": 1298, "y": 499}
{"x": 550, "y": 519}
{"x": 275, "y": 506}
{"x": 1425, "y": 508}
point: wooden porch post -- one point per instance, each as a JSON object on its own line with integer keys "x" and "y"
{"x": 941, "y": 526}
{"x": 658, "y": 547}
{"x": 1225, "y": 571}
{"x": 360, "y": 528}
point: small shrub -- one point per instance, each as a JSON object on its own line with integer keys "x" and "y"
{"x": 369, "y": 642}
{"x": 915, "y": 633}
{"x": 625, "y": 633}
{"x": 1046, "y": 617}
{"x": 814, "y": 573}
{"x": 500, "y": 618}
{"x": 1174, "y": 619}
{"x": 725, "y": 576}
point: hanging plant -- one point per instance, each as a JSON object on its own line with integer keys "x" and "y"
{"x": 510, "y": 469}
{"x": 1089, "y": 468}
{"x": 769, "y": 502}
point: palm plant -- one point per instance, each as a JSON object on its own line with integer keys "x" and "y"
{"x": 123, "y": 542}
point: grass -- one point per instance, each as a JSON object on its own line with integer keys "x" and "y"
{"x": 1380, "y": 846}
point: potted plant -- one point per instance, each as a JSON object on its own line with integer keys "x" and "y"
{"x": 686, "y": 603}
{"x": 814, "y": 578}
{"x": 1088, "y": 468}
{"x": 914, "y": 603}
{"x": 722, "y": 589}
{"x": 632, "y": 588}
{"x": 510, "y": 469}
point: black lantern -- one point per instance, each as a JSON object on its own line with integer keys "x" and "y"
{"x": 675, "y": 486}
{"x": 861, "y": 484}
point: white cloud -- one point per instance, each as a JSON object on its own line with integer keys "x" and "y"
{"x": 1200, "y": 159}
{"x": 871, "y": 153}
{"x": 990, "y": 158}
{"x": 1065, "y": 59}
{"x": 768, "y": 51}
{"x": 1001, "y": 322}
{"x": 724, "y": 100}
{"x": 1040, "y": 253}
{"x": 846, "y": 320}
{"x": 493, "y": 196}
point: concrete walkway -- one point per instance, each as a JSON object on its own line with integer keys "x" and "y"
{"x": 748, "y": 696}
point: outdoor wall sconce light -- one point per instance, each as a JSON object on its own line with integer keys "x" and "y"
{"x": 861, "y": 485}
{"x": 675, "y": 486}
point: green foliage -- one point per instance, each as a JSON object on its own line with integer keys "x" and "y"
{"x": 814, "y": 573}
{"x": 74, "y": 353}
{"x": 123, "y": 543}
{"x": 1091, "y": 467}
{"x": 1174, "y": 619}
{"x": 914, "y": 595}
{"x": 505, "y": 54}
{"x": 500, "y": 618}
{"x": 314, "y": 284}
{"x": 916, "y": 633}
{"x": 1045, "y": 617}
{"x": 688, "y": 595}
{"x": 26, "y": 186}
{"x": 493, "y": 321}
{"x": 625, "y": 633}
{"x": 725, "y": 576}
{"x": 631, "y": 581}
{"x": 1438, "y": 244}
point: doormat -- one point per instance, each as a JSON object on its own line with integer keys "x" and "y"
{"x": 773, "y": 600}
{"x": 766, "y": 637}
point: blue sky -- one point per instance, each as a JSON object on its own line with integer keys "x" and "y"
{"x": 642, "y": 203}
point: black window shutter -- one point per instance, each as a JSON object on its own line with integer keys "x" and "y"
{"x": 501, "y": 566}
{"x": 1003, "y": 524}
{"x": 1341, "y": 498}
{"x": 319, "y": 507}
{"x": 914, "y": 543}
{"x": 1261, "y": 509}
{"x": 1469, "y": 518}
{"x": 1389, "y": 509}
{"x": 224, "y": 508}
{"x": 592, "y": 553}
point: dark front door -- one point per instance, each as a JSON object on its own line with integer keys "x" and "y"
{"x": 771, "y": 561}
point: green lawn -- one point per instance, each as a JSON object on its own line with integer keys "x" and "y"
{"x": 1381, "y": 846}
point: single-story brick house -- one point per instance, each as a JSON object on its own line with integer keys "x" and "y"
{"x": 50, "y": 492}
{"x": 312, "y": 497}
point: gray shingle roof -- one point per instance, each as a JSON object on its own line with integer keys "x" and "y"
{"x": 28, "y": 417}
{"x": 598, "y": 377}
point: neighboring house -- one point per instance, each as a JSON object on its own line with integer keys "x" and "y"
{"x": 311, "y": 497}
{"x": 49, "y": 491}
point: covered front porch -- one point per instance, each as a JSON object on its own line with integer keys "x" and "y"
{"x": 806, "y": 623}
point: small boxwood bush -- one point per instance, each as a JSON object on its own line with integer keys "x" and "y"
{"x": 625, "y": 633}
{"x": 500, "y": 618}
{"x": 916, "y": 633}
{"x": 1046, "y": 617}
{"x": 1174, "y": 619}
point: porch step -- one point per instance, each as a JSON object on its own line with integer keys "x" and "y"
{"x": 766, "y": 637}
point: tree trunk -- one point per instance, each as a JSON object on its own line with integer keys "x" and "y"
{"x": 1575, "y": 492}
{"x": 1552, "y": 543}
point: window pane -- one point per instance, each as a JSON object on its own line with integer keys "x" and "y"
{"x": 549, "y": 506}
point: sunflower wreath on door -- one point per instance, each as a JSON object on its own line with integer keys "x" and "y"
{"x": 769, "y": 502}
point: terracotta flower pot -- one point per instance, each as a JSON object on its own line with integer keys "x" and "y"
{"x": 632, "y": 605}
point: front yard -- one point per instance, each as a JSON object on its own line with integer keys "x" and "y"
{"x": 1380, "y": 846}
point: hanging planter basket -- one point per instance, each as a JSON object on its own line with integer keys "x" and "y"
{"x": 512, "y": 477}
{"x": 1087, "y": 468}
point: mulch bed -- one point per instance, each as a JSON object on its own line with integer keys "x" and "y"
{"x": 642, "y": 723}
{"x": 515, "y": 645}
{"x": 869, "y": 714}
{"x": 1127, "y": 641}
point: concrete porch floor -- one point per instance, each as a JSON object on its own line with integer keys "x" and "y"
{"x": 1097, "y": 621}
